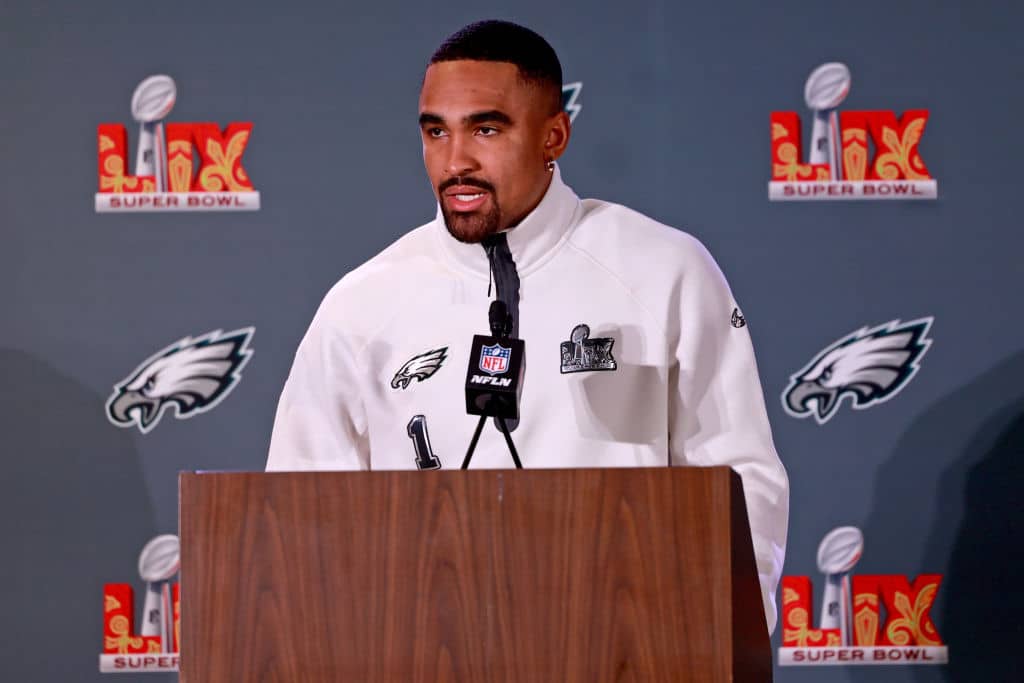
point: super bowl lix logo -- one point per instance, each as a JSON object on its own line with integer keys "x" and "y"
{"x": 865, "y": 619}
{"x": 155, "y": 646}
{"x": 840, "y": 164}
{"x": 166, "y": 174}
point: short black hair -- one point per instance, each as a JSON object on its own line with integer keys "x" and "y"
{"x": 494, "y": 40}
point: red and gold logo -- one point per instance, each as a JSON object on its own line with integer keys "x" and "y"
{"x": 155, "y": 646}
{"x": 178, "y": 166}
{"x": 865, "y": 619}
{"x": 853, "y": 154}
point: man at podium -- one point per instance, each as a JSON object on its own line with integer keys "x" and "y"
{"x": 634, "y": 352}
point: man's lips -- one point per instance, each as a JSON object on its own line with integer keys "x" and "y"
{"x": 465, "y": 198}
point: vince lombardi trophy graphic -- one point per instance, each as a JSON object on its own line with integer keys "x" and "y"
{"x": 151, "y": 103}
{"x": 579, "y": 334}
{"x": 838, "y": 553}
{"x": 158, "y": 563}
{"x": 826, "y": 88}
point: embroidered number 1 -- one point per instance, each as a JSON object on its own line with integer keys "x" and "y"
{"x": 425, "y": 458}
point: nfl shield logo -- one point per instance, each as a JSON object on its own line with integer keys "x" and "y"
{"x": 494, "y": 359}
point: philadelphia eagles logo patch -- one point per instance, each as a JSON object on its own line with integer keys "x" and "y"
{"x": 419, "y": 367}
{"x": 869, "y": 366}
{"x": 738, "y": 320}
{"x": 192, "y": 376}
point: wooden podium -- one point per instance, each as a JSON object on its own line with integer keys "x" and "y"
{"x": 482, "y": 576}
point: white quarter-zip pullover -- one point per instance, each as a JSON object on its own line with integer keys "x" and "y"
{"x": 390, "y": 345}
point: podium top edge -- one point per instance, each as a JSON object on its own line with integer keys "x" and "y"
{"x": 452, "y": 472}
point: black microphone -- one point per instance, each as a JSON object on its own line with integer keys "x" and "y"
{"x": 494, "y": 378}
{"x": 494, "y": 375}
{"x": 500, "y": 319}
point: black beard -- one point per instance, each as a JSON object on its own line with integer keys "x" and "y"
{"x": 473, "y": 228}
{"x": 470, "y": 228}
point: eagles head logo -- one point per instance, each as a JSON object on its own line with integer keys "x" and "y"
{"x": 870, "y": 366}
{"x": 192, "y": 375}
{"x": 571, "y": 93}
{"x": 419, "y": 367}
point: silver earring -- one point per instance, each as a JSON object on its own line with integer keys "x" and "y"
{"x": 550, "y": 165}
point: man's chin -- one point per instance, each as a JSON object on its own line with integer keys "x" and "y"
{"x": 470, "y": 228}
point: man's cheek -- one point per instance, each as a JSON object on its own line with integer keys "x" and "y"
{"x": 435, "y": 174}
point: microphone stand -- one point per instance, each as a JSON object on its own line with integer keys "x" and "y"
{"x": 505, "y": 433}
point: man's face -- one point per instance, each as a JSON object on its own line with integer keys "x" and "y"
{"x": 487, "y": 136}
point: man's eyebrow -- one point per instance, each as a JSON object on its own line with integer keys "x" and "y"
{"x": 490, "y": 116}
{"x": 476, "y": 118}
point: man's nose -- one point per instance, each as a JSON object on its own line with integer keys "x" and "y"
{"x": 460, "y": 156}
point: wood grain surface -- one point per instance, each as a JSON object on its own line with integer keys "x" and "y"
{"x": 490, "y": 575}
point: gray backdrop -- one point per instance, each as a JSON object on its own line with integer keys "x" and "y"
{"x": 676, "y": 99}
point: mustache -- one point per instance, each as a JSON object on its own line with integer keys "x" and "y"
{"x": 468, "y": 181}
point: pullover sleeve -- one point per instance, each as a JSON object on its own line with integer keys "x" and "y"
{"x": 320, "y": 422}
{"x": 717, "y": 412}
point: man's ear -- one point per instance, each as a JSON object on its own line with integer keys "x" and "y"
{"x": 559, "y": 132}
